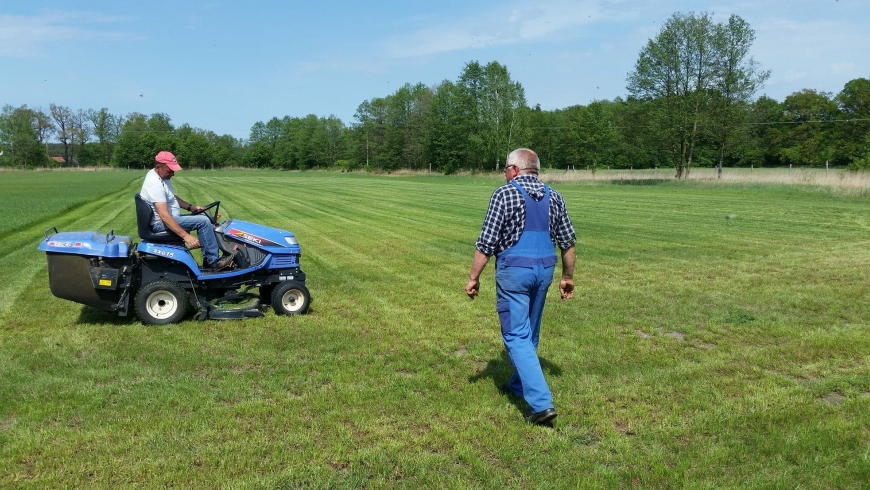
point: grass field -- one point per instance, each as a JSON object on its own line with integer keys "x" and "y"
{"x": 719, "y": 339}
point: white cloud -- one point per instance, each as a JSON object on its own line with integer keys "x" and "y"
{"x": 506, "y": 24}
{"x": 28, "y": 36}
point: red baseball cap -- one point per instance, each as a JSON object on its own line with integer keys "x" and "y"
{"x": 169, "y": 159}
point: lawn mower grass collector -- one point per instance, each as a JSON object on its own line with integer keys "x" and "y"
{"x": 163, "y": 280}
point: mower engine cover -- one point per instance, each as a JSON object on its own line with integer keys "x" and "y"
{"x": 265, "y": 237}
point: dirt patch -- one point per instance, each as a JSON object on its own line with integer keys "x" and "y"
{"x": 462, "y": 351}
{"x": 7, "y": 422}
{"x": 642, "y": 334}
{"x": 624, "y": 427}
{"x": 835, "y": 399}
{"x": 805, "y": 382}
{"x": 703, "y": 345}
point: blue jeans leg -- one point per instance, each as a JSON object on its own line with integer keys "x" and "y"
{"x": 204, "y": 233}
{"x": 520, "y": 295}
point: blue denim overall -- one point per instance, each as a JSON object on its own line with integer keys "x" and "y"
{"x": 522, "y": 275}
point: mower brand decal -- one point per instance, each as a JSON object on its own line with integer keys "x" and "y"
{"x": 163, "y": 253}
{"x": 64, "y": 244}
{"x": 105, "y": 282}
{"x": 251, "y": 238}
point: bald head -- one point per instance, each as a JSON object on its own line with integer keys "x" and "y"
{"x": 526, "y": 161}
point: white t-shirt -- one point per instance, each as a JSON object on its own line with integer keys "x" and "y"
{"x": 155, "y": 189}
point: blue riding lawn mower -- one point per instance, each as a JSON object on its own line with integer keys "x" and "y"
{"x": 162, "y": 278}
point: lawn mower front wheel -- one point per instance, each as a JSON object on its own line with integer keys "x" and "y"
{"x": 161, "y": 302}
{"x": 290, "y": 298}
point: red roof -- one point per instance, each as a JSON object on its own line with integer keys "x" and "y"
{"x": 58, "y": 159}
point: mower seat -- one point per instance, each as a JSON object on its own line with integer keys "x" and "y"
{"x": 144, "y": 213}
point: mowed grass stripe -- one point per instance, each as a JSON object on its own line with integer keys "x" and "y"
{"x": 27, "y": 197}
{"x": 341, "y": 233}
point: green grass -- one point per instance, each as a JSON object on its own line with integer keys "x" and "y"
{"x": 27, "y": 197}
{"x": 719, "y": 339}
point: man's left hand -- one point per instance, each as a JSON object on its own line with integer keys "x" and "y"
{"x": 566, "y": 288}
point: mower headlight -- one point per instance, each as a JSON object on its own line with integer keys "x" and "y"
{"x": 291, "y": 240}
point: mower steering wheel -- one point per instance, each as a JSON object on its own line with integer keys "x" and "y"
{"x": 212, "y": 217}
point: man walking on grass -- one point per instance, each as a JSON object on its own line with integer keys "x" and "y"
{"x": 525, "y": 218}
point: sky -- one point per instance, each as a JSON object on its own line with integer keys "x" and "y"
{"x": 224, "y": 65}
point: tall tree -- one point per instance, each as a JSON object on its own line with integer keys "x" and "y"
{"x": 493, "y": 105}
{"x": 854, "y": 105}
{"x": 761, "y": 148}
{"x": 808, "y": 137}
{"x": 448, "y": 126}
{"x": 336, "y": 140}
{"x": 675, "y": 73}
{"x": 737, "y": 81}
{"x": 64, "y": 128}
{"x": 598, "y": 138}
{"x": 502, "y": 118}
{"x": 370, "y": 134}
{"x": 104, "y": 129}
{"x": 80, "y": 131}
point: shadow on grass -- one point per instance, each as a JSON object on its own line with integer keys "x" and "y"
{"x": 97, "y": 316}
{"x": 499, "y": 372}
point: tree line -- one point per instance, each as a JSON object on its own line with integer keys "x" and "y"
{"x": 692, "y": 101}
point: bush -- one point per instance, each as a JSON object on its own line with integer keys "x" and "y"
{"x": 346, "y": 165}
{"x": 861, "y": 163}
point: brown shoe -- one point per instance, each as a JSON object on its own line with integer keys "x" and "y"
{"x": 224, "y": 262}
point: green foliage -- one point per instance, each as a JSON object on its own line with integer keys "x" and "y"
{"x": 854, "y": 106}
{"x": 861, "y": 162}
{"x": 346, "y": 165}
{"x": 678, "y": 364}
{"x": 20, "y": 137}
{"x": 259, "y": 156}
{"x": 804, "y": 141}
{"x": 142, "y": 137}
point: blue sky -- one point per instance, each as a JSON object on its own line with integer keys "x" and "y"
{"x": 224, "y": 65}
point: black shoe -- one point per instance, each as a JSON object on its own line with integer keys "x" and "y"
{"x": 542, "y": 417}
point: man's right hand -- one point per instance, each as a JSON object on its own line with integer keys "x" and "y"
{"x": 566, "y": 288}
{"x": 472, "y": 287}
{"x": 191, "y": 242}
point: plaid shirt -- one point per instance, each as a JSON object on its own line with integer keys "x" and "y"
{"x": 506, "y": 217}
